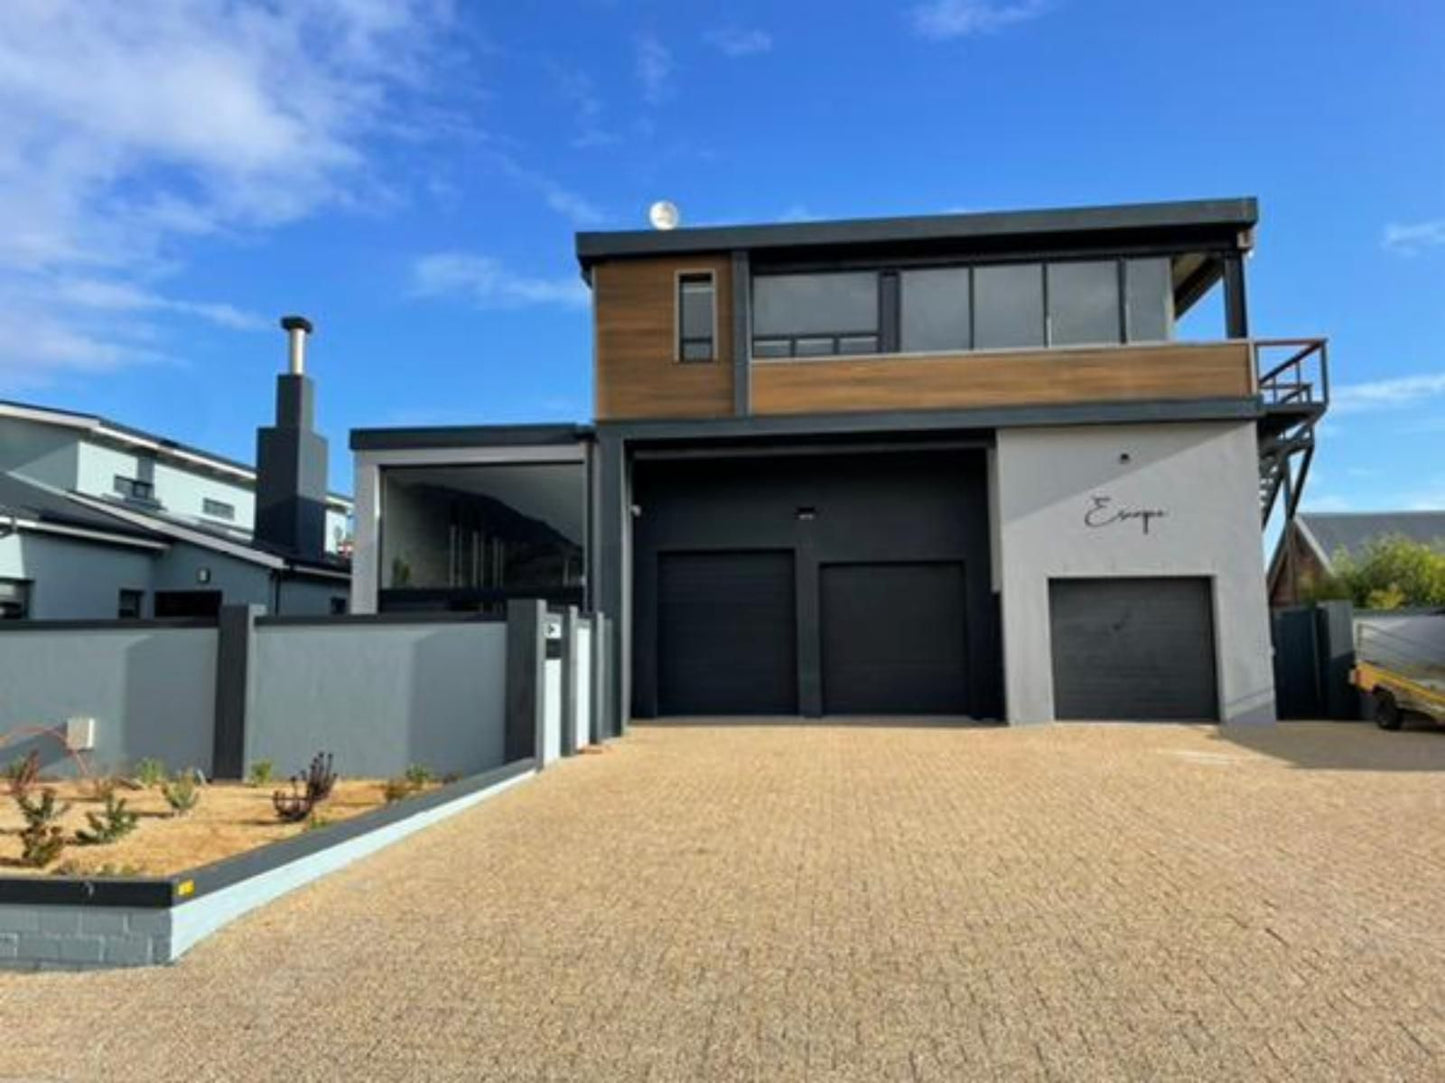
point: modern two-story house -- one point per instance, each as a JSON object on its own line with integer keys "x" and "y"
{"x": 1006, "y": 466}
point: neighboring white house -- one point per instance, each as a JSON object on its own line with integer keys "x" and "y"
{"x": 99, "y": 520}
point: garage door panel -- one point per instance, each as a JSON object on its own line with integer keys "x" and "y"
{"x": 1133, "y": 649}
{"x": 894, "y": 638}
{"x": 726, "y": 633}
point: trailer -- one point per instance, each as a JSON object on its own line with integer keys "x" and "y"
{"x": 1400, "y": 674}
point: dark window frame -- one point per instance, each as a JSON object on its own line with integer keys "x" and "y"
{"x": 130, "y": 594}
{"x": 209, "y": 506}
{"x": 133, "y": 488}
{"x": 888, "y": 333}
{"x": 681, "y": 339}
{"x": 26, "y": 592}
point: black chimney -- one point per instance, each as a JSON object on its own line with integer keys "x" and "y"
{"x": 291, "y": 462}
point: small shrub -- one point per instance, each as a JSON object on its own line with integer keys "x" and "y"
{"x": 108, "y": 826}
{"x": 450, "y": 777}
{"x": 418, "y": 775}
{"x": 42, "y": 840}
{"x": 397, "y": 789}
{"x": 260, "y": 773}
{"x": 150, "y": 771}
{"x": 182, "y": 793}
{"x": 320, "y": 778}
{"x": 22, "y": 773}
{"x": 307, "y": 791}
{"x": 316, "y": 821}
{"x": 102, "y": 787}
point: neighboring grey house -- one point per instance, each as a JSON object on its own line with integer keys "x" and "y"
{"x": 99, "y": 520}
{"x": 1310, "y": 545}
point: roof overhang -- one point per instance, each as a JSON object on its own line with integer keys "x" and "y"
{"x": 469, "y": 436}
{"x": 1228, "y": 222}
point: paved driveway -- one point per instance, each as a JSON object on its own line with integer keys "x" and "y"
{"x": 820, "y": 902}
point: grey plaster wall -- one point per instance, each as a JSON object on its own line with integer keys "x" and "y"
{"x": 1202, "y": 476}
{"x": 379, "y": 697}
{"x": 308, "y": 597}
{"x": 151, "y": 691}
{"x": 241, "y": 581}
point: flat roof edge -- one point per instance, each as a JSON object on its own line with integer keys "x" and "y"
{"x": 441, "y": 436}
{"x": 1231, "y": 213}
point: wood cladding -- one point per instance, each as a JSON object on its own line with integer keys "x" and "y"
{"x": 1016, "y": 378}
{"x": 637, "y": 371}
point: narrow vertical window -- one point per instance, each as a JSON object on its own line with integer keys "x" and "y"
{"x": 696, "y": 317}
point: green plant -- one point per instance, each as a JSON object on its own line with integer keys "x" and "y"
{"x": 316, "y": 821}
{"x": 1388, "y": 573}
{"x": 42, "y": 839}
{"x": 102, "y": 787}
{"x": 182, "y": 793}
{"x": 397, "y": 789}
{"x": 260, "y": 773}
{"x": 400, "y": 572}
{"x": 109, "y": 825}
{"x": 418, "y": 775}
{"x": 22, "y": 773}
{"x": 150, "y": 771}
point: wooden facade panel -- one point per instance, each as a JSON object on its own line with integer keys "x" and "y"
{"x": 1019, "y": 378}
{"x": 637, "y": 373}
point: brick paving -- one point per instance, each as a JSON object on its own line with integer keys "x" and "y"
{"x": 822, "y": 902}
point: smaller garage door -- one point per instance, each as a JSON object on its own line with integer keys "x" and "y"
{"x": 1133, "y": 649}
{"x": 894, "y": 639}
{"x": 726, "y": 639}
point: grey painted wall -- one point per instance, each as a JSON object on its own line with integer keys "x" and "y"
{"x": 53, "y": 562}
{"x": 1203, "y": 476}
{"x": 379, "y": 697}
{"x": 150, "y": 690}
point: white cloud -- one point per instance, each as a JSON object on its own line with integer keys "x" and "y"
{"x": 127, "y": 129}
{"x": 654, "y": 68}
{"x": 112, "y": 296}
{"x": 1395, "y": 393}
{"x": 576, "y": 208}
{"x": 1409, "y": 238}
{"x": 487, "y": 283}
{"x": 943, "y": 20}
{"x": 735, "y": 41}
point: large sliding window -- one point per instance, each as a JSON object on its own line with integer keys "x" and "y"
{"x": 1084, "y": 303}
{"x": 945, "y": 309}
{"x": 1008, "y": 306}
{"x": 816, "y": 315}
{"x": 934, "y": 310}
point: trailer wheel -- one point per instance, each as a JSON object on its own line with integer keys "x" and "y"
{"x": 1387, "y": 711}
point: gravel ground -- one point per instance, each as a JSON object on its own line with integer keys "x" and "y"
{"x": 836, "y": 903}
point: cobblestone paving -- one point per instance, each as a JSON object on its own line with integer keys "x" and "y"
{"x": 820, "y": 902}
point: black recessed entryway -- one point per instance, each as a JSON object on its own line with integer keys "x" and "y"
{"x": 1133, "y": 649}
{"x": 726, "y": 633}
{"x": 894, "y": 638}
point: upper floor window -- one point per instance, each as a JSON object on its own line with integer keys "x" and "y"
{"x": 218, "y": 509}
{"x": 815, "y": 315}
{"x": 988, "y": 306}
{"x": 133, "y": 488}
{"x": 696, "y": 316}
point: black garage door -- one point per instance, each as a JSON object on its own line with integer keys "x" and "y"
{"x": 725, "y": 634}
{"x": 894, "y": 639}
{"x": 1133, "y": 649}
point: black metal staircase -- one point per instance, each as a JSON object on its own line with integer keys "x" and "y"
{"x": 1294, "y": 394}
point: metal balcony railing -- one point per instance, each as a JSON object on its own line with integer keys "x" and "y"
{"x": 1294, "y": 386}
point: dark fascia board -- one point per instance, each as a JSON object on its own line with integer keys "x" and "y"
{"x": 183, "y": 887}
{"x": 899, "y": 421}
{"x": 334, "y": 620}
{"x": 451, "y": 436}
{"x": 1230, "y": 217}
{"x": 34, "y": 624}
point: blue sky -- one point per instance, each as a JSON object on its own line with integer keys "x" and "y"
{"x": 175, "y": 174}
